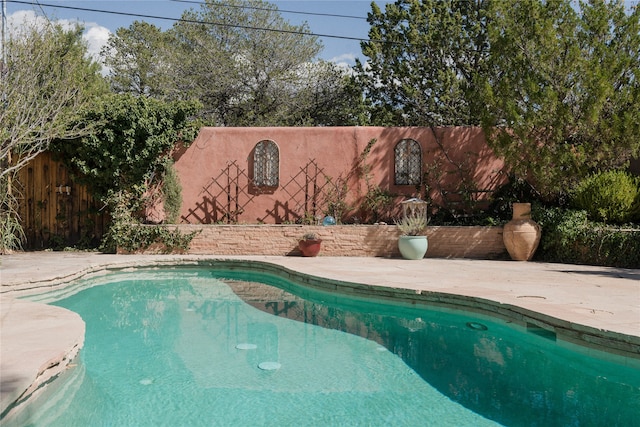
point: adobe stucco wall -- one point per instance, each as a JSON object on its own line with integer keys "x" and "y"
{"x": 215, "y": 170}
{"x": 343, "y": 240}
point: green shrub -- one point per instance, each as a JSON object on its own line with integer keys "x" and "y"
{"x": 139, "y": 237}
{"x": 126, "y": 233}
{"x": 11, "y": 232}
{"x": 171, "y": 193}
{"x": 377, "y": 205}
{"x": 612, "y": 197}
{"x": 412, "y": 224}
{"x": 502, "y": 200}
{"x": 568, "y": 236}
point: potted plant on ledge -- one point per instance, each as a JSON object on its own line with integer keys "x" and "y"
{"x": 413, "y": 243}
{"x": 309, "y": 245}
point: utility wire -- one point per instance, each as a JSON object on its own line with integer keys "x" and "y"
{"x": 3, "y": 23}
{"x": 278, "y": 10}
{"x": 49, "y": 24}
{"x": 193, "y": 21}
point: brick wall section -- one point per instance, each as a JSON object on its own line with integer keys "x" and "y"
{"x": 343, "y": 240}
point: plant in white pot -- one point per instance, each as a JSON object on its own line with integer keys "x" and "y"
{"x": 413, "y": 242}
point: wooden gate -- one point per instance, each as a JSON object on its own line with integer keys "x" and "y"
{"x": 54, "y": 211}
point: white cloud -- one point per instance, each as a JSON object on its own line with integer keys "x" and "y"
{"x": 16, "y": 20}
{"x": 94, "y": 35}
{"x": 346, "y": 60}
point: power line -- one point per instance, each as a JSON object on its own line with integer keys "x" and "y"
{"x": 3, "y": 60}
{"x": 3, "y": 23}
{"x": 44, "y": 14}
{"x": 192, "y": 21}
{"x": 332, "y": 15}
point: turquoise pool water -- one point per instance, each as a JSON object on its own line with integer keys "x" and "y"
{"x": 195, "y": 347}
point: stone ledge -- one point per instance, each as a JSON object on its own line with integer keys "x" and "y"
{"x": 38, "y": 344}
{"x": 473, "y": 242}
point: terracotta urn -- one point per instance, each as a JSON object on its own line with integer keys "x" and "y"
{"x": 521, "y": 235}
{"x": 309, "y": 247}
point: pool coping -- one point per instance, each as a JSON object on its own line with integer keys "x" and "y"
{"x": 593, "y": 306}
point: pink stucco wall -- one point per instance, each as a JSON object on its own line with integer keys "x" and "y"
{"x": 216, "y": 169}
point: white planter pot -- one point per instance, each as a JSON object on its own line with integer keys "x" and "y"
{"x": 413, "y": 247}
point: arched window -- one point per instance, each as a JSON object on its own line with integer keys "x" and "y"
{"x": 408, "y": 162}
{"x": 266, "y": 164}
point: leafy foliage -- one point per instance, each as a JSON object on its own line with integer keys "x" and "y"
{"x": 48, "y": 80}
{"x": 172, "y": 193}
{"x": 122, "y": 158}
{"x": 244, "y": 63}
{"x": 128, "y": 150}
{"x": 135, "y": 58}
{"x": 251, "y": 69}
{"x": 514, "y": 191}
{"x": 561, "y": 94}
{"x": 322, "y": 94}
{"x": 11, "y": 232}
{"x": 611, "y": 197}
{"x": 569, "y": 237}
{"x": 336, "y": 197}
{"x": 127, "y": 234}
{"x": 555, "y": 86}
{"x": 422, "y": 60}
{"x": 413, "y": 224}
{"x": 378, "y": 204}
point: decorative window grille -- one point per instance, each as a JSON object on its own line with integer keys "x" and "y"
{"x": 266, "y": 164}
{"x": 408, "y": 162}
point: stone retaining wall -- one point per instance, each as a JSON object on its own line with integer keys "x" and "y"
{"x": 343, "y": 240}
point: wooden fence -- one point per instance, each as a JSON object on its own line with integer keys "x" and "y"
{"x": 54, "y": 211}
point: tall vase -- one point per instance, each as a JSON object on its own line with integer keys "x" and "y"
{"x": 521, "y": 235}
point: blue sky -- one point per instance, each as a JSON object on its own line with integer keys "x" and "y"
{"x": 98, "y": 25}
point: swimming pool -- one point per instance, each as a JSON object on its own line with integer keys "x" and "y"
{"x": 198, "y": 346}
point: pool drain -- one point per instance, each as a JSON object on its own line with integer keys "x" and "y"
{"x": 246, "y": 346}
{"x": 477, "y": 326}
{"x": 269, "y": 366}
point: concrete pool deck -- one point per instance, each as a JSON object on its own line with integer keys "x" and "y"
{"x": 598, "y": 304}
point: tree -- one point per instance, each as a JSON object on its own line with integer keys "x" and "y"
{"x": 334, "y": 97}
{"x": 562, "y": 93}
{"x": 424, "y": 61}
{"x": 555, "y": 85}
{"x": 423, "y": 58}
{"x": 47, "y": 78}
{"x": 240, "y": 71}
{"x": 324, "y": 94}
{"x": 127, "y": 153}
{"x": 136, "y": 59}
{"x": 243, "y": 62}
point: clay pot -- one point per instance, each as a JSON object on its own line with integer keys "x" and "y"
{"x": 521, "y": 235}
{"x": 309, "y": 247}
